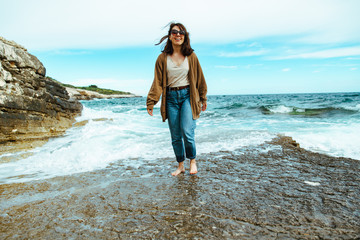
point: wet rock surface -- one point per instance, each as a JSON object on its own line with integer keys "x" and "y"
{"x": 32, "y": 106}
{"x": 272, "y": 191}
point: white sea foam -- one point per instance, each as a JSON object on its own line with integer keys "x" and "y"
{"x": 353, "y": 108}
{"x": 340, "y": 140}
{"x": 89, "y": 113}
{"x": 93, "y": 146}
{"x": 280, "y": 109}
{"x": 229, "y": 139}
{"x": 124, "y": 137}
{"x": 312, "y": 183}
{"x": 128, "y": 135}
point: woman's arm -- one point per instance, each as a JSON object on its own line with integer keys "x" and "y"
{"x": 156, "y": 87}
{"x": 202, "y": 86}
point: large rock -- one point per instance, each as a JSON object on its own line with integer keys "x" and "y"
{"x": 31, "y": 105}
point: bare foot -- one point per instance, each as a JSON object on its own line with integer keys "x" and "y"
{"x": 193, "y": 168}
{"x": 180, "y": 169}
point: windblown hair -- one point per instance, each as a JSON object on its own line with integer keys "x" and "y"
{"x": 186, "y": 49}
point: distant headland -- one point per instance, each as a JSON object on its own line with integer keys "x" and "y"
{"x": 93, "y": 92}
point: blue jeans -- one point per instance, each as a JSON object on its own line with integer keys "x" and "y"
{"x": 181, "y": 124}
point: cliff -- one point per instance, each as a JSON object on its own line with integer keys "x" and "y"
{"x": 32, "y": 106}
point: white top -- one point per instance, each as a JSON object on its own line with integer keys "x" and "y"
{"x": 177, "y": 74}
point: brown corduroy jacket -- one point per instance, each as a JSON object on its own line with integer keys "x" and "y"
{"x": 198, "y": 87}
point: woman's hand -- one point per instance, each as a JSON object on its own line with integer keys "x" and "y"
{"x": 150, "y": 111}
{"x": 204, "y": 106}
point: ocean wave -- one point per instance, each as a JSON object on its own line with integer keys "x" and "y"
{"x": 352, "y": 95}
{"x": 232, "y": 106}
{"x": 121, "y": 131}
{"x": 290, "y": 110}
{"x": 339, "y": 140}
{"x": 353, "y": 108}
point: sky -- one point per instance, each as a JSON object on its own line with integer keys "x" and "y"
{"x": 244, "y": 47}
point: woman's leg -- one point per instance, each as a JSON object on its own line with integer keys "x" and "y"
{"x": 182, "y": 129}
{"x": 173, "y": 106}
{"x": 188, "y": 125}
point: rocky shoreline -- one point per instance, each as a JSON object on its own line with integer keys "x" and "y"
{"x": 32, "y": 107}
{"x": 272, "y": 191}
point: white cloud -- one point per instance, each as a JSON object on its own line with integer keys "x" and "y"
{"x": 226, "y": 67}
{"x": 43, "y": 24}
{"x": 332, "y": 65}
{"x": 286, "y": 69}
{"x": 249, "y": 45}
{"x": 253, "y": 66}
{"x": 353, "y": 69}
{"x": 255, "y": 44}
{"x": 243, "y": 54}
{"x": 329, "y": 53}
{"x": 69, "y": 53}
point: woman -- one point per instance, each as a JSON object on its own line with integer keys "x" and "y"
{"x": 180, "y": 81}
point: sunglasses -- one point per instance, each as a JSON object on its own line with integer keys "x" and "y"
{"x": 176, "y": 32}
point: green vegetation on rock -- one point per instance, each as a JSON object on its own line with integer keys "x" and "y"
{"x": 92, "y": 88}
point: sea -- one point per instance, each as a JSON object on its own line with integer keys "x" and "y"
{"x": 120, "y": 130}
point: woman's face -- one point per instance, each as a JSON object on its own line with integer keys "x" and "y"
{"x": 178, "y": 38}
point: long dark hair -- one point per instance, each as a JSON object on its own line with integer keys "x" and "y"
{"x": 186, "y": 49}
